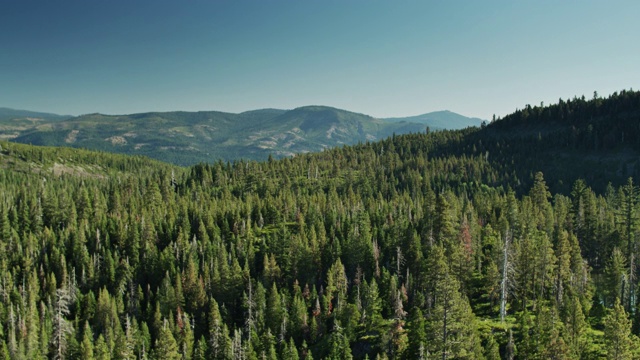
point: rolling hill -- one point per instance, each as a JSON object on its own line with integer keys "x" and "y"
{"x": 14, "y": 122}
{"x": 186, "y": 138}
{"x": 597, "y": 140}
{"x": 10, "y": 114}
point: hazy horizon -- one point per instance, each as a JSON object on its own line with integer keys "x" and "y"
{"x": 239, "y": 112}
{"x": 377, "y": 58}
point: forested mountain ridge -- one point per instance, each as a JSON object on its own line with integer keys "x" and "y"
{"x": 14, "y": 122}
{"x": 60, "y": 161}
{"x": 186, "y": 138}
{"x": 12, "y": 114}
{"x": 406, "y": 248}
{"x": 594, "y": 139}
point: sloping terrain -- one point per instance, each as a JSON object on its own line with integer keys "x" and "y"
{"x": 15, "y": 122}
{"x": 362, "y": 251}
{"x": 9, "y": 114}
{"x": 186, "y": 138}
{"x": 75, "y": 163}
{"x": 597, "y": 140}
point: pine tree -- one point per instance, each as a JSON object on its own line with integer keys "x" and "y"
{"x": 546, "y": 334}
{"x": 33, "y": 320}
{"x": 237, "y": 348}
{"x": 337, "y": 283}
{"x": 274, "y": 313}
{"x": 299, "y": 317}
{"x": 575, "y": 326}
{"x": 451, "y": 324}
{"x": 143, "y": 341}
{"x": 616, "y": 277}
{"x": 372, "y": 304}
{"x": 201, "y": 350}
{"x": 417, "y": 336}
{"x": 540, "y": 197}
{"x": 443, "y": 226}
{"x": 185, "y": 336}
{"x": 219, "y": 340}
{"x": 290, "y": 352}
{"x": 102, "y": 351}
{"x": 166, "y": 346}
{"x": 491, "y": 349}
{"x": 339, "y": 347}
{"x": 86, "y": 347}
{"x": 563, "y": 270}
{"x": 619, "y": 342}
{"x": 125, "y": 341}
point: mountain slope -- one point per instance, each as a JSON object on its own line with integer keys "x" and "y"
{"x": 74, "y": 163}
{"x": 174, "y": 137}
{"x": 187, "y": 138}
{"x": 13, "y": 114}
{"x": 314, "y": 128}
{"x": 14, "y": 122}
{"x": 597, "y": 140}
{"x": 386, "y": 227}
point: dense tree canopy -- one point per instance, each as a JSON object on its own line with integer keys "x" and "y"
{"x": 393, "y": 250}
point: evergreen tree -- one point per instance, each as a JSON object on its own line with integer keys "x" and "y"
{"x": 90, "y": 257}
{"x": 339, "y": 347}
{"x": 86, "y": 347}
{"x": 166, "y": 346}
{"x": 201, "y": 350}
{"x": 290, "y": 351}
{"x": 576, "y": 327}
{"x": 616, "y": 277}
{"x": 619, "y": 342}
{"x": 444, "y": 229}
{"x": 185, "y": 336}
{"x": 220, "y": 346}
{"x": 417, "y": 347}
{"x": 102, "y": 351}
{"x": 275, "y": 313}
{"x": 628, "y": 208}
{"x": 491, "y": 348}
{"x": 451, "y": 323}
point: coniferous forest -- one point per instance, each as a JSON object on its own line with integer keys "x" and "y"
{"x": 518, "y": 240}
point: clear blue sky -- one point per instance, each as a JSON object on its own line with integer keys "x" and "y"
{"x": 383, "y": 58}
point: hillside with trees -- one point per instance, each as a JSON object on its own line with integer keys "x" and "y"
{"x": 187, "y": 138}
{"x": 467, "y": 244}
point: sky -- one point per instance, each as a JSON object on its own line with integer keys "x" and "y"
{"x": 381, "y": 58}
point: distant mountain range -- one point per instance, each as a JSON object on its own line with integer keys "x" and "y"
{"x": 186, "y": 138}
{"x": 12, "y": 114}
{"x": 440, "y": 120}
